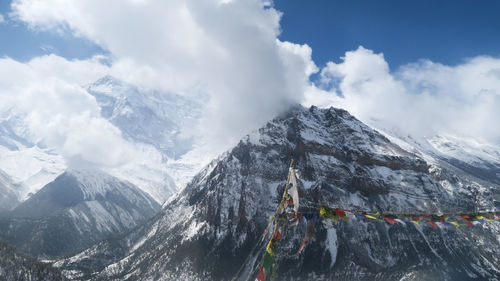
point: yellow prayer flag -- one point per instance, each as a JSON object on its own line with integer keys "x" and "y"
{"x": 270, "y": 248}
{"x": 416, "y": 222}
{"x": 371, "y": 217}
{"x": 455, "y": 223}
{"x": 322, "y": 212}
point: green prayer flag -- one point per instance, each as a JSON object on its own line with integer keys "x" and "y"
{"x": 268, "y": 262}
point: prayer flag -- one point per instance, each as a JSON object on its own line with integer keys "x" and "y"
{"x": 293, "y": 190}
{"x": 326, "y": 213}
{"x": 400, "y": 221}
{"x": 261, "y": 276}
{"x": 268, "y": 262}
{"x": 349, "y": 215}
{"x": 359, "y": 216}
{"x": 390, "y": 220}
{"x": 340, "y": 212}
{"x": 277, "y": 236}
{"x": 270, "y": 248}
{"x": 432, "y": 224}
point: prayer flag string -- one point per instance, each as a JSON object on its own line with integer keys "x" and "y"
{"x": 314, "y": 213}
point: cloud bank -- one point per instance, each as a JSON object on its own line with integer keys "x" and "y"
{"x": 422, "y": 99}
{"x": 226, "y": 50}
{"x": 58, "y": 112}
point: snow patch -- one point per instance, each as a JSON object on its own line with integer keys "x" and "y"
{"x": 332, "y": 244}
{"x": 192, "y": 230}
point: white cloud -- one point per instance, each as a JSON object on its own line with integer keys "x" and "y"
{"x": 2, "y": 19}
{"x": 47, "y": 91}
{"x": 227, "y": 50}
{"x": 423, "y": 98}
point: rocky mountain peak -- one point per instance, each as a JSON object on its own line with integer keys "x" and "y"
{"x": 210, "y": 229}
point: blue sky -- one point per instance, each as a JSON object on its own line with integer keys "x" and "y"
{"x": 445, "y": 31}
{"x": 405, "y": 31}
{"x": 22, "y": 43}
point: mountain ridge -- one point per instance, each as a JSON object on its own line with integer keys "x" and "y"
{"x": 76, "y": 210}
{"x": 209, "y": 228}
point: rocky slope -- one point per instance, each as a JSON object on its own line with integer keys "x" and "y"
{"x": 76, "y": 210}
{"x": 209, "y": 229}
{"x": 16, "y": 266}
{"x": 8, "y": 193}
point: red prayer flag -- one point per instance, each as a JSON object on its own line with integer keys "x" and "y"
{"x": 261, "y": 276}
{"x": 277, "y": 236}
{"x": 432, "y": 224}
{"x": 469, "y": 223}
{"x": 465, "y": 217}
{"x": 391, "y": 221}
{"x": 340, "y": 212}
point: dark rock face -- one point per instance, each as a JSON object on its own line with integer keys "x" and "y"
{"x": 75, "y": 211}
{"x": 210, "y": 228}
{"x": 62, "y": 193}
{"x": 16, "y": 266}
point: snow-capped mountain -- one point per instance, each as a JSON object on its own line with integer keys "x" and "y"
{"x": 154, "y": 122}
{"x": 74, "y": 211}
{"x": 209, "y": 229}
{"x": 470, "y": 151}
{"x": 147, "y": 117}
{"x": 150, "y": 121}
{"x": 29, "y": 165}
{"x": 471, "y": 156}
